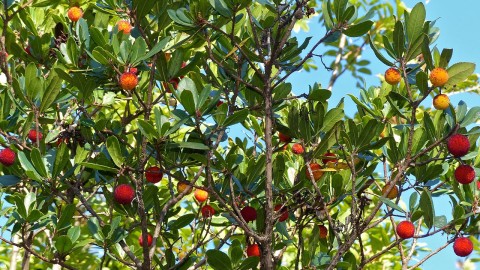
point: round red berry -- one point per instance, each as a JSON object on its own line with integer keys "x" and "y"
{"x": 458, "y": 145}
{"x": 124, "y": 194}
{"x": 405, "y": 229}
{"x": 249, "y": 213}
{"x": 464, "y": 174}
{"x": 462, "y": 246}
{"x": 153, "y": 174}
{"x": 7, "y": 157}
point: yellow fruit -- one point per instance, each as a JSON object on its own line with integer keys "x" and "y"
{"x": 393, "y": 76}
{"x": 392, "y": 194}
{"x": 438, "y": 77}
{"x": 181, "y": 186}
{"x": 441, "y": 102}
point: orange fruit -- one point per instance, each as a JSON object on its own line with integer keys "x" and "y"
{"x": 393, "y": 192}
{"x": 75, "y": 13}
{"x": 393, "y": 76}
{"x": 181, "y": 186}
{"x": 201, "y": 195}
{"x": 441, "y": 102}
{"x": 438, "y": 77}
{"x": 316, "y": 172}
{"x": 124, "y": 26}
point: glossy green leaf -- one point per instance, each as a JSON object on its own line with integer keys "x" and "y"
{"x": 358, "y": 29}
{"x": 221, "y": 7}
{"x": 426, "y": 205}
{"x": 66, "y": 216}
{"x": 235, "y": 118}
{"x": 391, "y": 204}
{"x": 147, "y": 129}
{"x": 114, "y": 150}
{"x": 459, "y": 72}
{"x": 8, "y": 180}
{"x": 28, "y": 167}
{"x": 218, "y": 260}
{"x": 181, "y": 222}
{"x": 61, "y": 159}
{"x": 33, "y": 83}
{"x": 38, "y": 162}
{"x": 422, "y": 82}
{"x": 415, "y": 22}
{"x": 186, "y": 98}
{"x": 378, "y": 54}
{"x": 63, "y": 244}
{"x": 98, "y": 167}
{"x": 399, "y": 39}
{"x": 445, "y": 57}
{"x": 331, "y": 118}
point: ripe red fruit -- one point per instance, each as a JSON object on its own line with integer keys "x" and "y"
{"x": 458, "y": 145}
{"x": 149, "y": 240}
{"x": 464, "y": 174}
{"x": 128, "y": 81}
{"x": 207, "y": 211}
{"x": 124, "y": 194}
{"x": 33, "y": 135}
{"x": 284, "y": 138}
{"x": 283, "y": 212}
{"x": 329, "y": 157}
{"x": 405, "y": 229}
{"x": 201, "y": 195}
{"x": 316, "y": 171}
{"x": 153, "y": 174}
{"x": 297, "y": 149}
{"x": 133, "y": 70}
{"x": 462, "y": 246}
{"x": 249, "y": 213}
{"x": 7, "y": 157}
{"x": 253, "y": 250}
{"x": 323, "y": 231}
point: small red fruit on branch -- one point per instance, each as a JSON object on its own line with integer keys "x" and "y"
{"x": 284, "y": 138}
{"x": 253, "y": 250}
{"x": 323, "y": 231}
{"x": 405, "y": 229}
{"x": 462, "y": 246}
{"x": 316, "y": 171}
{"x": 33, "y": 135}
{"x": 128, "y": 81}
{"x": 297, "y": 149}
{"x": 464, "y": 174}
{"x": 124, "y": 194}
{"x": 283, "y": 212}
{"x": 75, "y": 13}
{"x": 201, "y": 195}
{"x": 329, "y": 157}
{"x": 149, "y": 240}
{"x": 153, "y": 174}
{"x": 249, "y": 213}
{"x": 7, "y": 157}
{"x": 458, "y": 145}
{"x": 207, "y": 211}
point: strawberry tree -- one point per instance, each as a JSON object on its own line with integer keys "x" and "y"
{"x": 168, "y": 135}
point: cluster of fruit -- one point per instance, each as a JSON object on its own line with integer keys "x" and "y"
{"x": 458, "y": 146}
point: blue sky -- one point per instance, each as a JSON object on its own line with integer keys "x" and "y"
{"x": 458, "y": 24}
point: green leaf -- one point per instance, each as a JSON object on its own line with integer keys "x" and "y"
{"x": 391, "y": 204}
{"x": 422, "y": 82}
{"x": 326, "y": 10}
{"x": 9, "y": 180}
{"x": 189, "y": 145}
{"x": 331, "y": 118}
{"x": 412, "y": 202}
{"x": 426, "y": 205}
{"x": 33, "y": 83}
{"x": 61, "y": 159}
{"x": 236, "y": 118}
{"x": 445, "y": 57}
{"x": 249, "y": 263}
{"x": 54, "y": 85}
{"x": 157, "y": 48}
{"x": 138, "y": 50}
{"x": 358, "y": 29}
{"x": 142, "y": 8}
{"x": 74, "y": 233}
{"x": 114, "y": 150}
{"x": 427, "y": 55}
{"x": 378, "y": 54}
{"x": 38, "y": 162}
{"x": 459, "y": 72}
{"x": 471, "y": 117}
{"x": 66, "y": 217}
{"x": 399, "y": 39}
{"x": 147, "y": 129}
{"x": 186, "y": 98}
{"x": 181, "y": 222}
{"x": 218, "y": 260}
{"x": 99, "y": 56}
{"x": 98, "y": 167}
{"x": 63, "y": 244}
{"x": 415, "y": 22}
{"x": 28, "y": 167}
{"x": 221, "y": 7}
{"x": 440, "y": 221}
